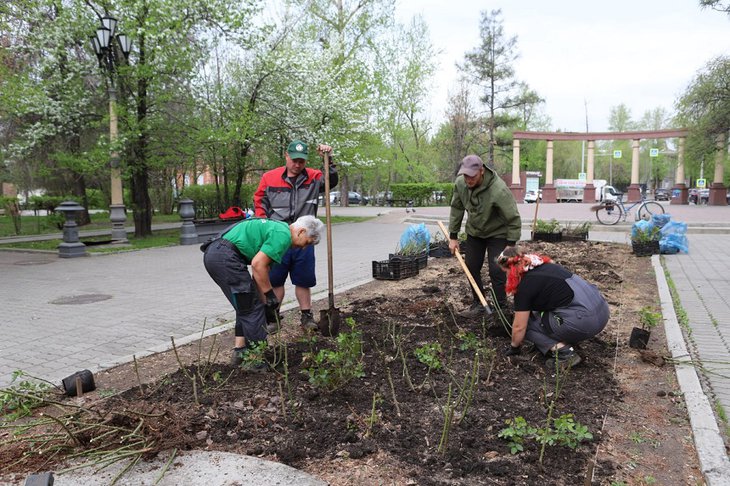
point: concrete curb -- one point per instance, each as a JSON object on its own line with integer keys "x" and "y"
{"x": 710, "y": 446}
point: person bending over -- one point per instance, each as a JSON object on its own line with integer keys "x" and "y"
{"x": 256, "y": 243}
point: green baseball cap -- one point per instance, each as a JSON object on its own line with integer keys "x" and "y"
{"x": 297, "y": 150}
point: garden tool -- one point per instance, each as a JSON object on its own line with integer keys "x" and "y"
{"x": 477, "y": 290}
{"x": 534, "y": 220}
{"x": 329, "y": 319}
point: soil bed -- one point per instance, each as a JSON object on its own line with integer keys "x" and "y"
{"x": 402, "y": 422}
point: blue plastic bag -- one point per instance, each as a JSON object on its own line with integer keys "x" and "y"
{"x": 416, "y": 237}
{"x": 674, "y": 238}
{"x": 660, "y": 220}
{"x": 641, "y": 226}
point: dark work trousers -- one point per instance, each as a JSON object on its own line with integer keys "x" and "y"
{"x": 228, "y": 269}
{"x": 474, "y": 257}
{"x": 582, "y": 319}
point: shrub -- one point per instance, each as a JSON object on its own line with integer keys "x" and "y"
{"x": 333, "y": 368}
{"x": 552, "y": 226}
{"x": 648, "y": 317}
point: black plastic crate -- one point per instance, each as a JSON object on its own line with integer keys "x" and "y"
{"x": 421, "y": 259}
{"x": 550, "y": 237}
{"x": 647, "y": 248}
{"x": 394, "y": 269}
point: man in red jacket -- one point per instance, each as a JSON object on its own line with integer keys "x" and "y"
{"x": 286, "y": 194}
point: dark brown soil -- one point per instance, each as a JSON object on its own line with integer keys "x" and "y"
{"x": 388, "y": 426}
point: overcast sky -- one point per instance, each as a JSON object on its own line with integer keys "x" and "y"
{"x": 642, "y": 53}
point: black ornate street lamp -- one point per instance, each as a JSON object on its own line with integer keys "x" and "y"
{"x": 109, "y": 59}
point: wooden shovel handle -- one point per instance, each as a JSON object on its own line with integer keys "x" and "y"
{"x": 463, "y": 266}
{"x": 328, "y": 218}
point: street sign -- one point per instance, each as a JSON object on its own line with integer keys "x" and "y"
{"x": 654, "y": 152}
{"x": 582, "y": 176}
{"x": 616, "y": 154}
{"x": 701, "y": 183}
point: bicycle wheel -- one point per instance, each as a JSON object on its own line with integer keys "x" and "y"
{"x": 649, "y": 208}
{"x": 609, "y": 214}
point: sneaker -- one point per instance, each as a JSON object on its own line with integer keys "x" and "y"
{"x": 473, "y": 311}
{"x": 308, "y": 323}
{"x": 237, "y": 356}
{"x": 274, "y": 327}
{"x": 566, "y": 358}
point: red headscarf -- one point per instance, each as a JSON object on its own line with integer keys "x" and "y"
{"x": 518, "y": 265}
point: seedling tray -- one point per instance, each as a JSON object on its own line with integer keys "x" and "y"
{"x": 395, "y": 269}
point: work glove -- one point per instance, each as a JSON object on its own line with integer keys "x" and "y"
{"x": 271, "y": 307}
{"x": 511, "y": 350}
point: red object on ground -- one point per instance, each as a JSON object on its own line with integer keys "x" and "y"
{"x": 232, "y": 213}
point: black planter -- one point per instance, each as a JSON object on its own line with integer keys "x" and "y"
{"x": 421, "y": 259}
{"x": 87, "y": 383}
{"x": 395, "y": 269}
{"x": 440, "y": 251}
{"x": 645, "y": 248}
{"x": 639, "y": 338}
{"x": 550, "y": 237}
{"x": 575, "y": 237}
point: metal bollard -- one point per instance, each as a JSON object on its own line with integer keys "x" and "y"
{"x": 188, "y": 234}
{"x": 71, "y": 246}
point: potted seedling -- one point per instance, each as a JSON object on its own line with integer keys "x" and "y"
{"x": 645, "y": 239}
{"x": 649, "y": 318}
{"x": 547, "y": 231}
{"x": 439, "y": 247}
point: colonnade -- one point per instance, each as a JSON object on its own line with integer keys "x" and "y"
{"x": 680, "y": 189}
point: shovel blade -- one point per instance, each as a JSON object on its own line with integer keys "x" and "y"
{"x": 330, "y": 321}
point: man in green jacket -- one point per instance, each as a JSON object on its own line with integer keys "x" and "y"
{"x": 493, "y": 224}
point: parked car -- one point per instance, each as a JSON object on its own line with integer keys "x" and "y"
{"x": 353, "y": 198}
{"x": 383, "y": 199}
{"x": 531, "y": 196}
{"x": 661, "y": 194}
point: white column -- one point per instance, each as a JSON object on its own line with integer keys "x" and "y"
{"x": 549, "y": 163}
{"x": 679, "y": 176}
{"x": 634, "y": 161}
{"x": 591, "y": 161}
{"x": 720, "y": 159}
{"x": 515, "y": 162}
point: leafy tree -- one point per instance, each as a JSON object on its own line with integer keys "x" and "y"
{"x": 491, "y": 67}
{"x": 459, "y": 136}
{"x": 403, "y": 66}
{"x": 46, "y": 98}
{"x": 170, "y": 39}
{"x": 657, "y": 168}
{"x": 705, "y": 109}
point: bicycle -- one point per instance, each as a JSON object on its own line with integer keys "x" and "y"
{"x": 611, "y": 212}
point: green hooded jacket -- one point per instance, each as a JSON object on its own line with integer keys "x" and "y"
{"x": 492, "y": 209}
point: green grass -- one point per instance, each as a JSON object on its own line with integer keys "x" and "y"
{"x": 40, "y": 225}
{"x": 170, "y": 237}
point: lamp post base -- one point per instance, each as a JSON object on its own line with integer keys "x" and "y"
{"x": 118, "y": 217}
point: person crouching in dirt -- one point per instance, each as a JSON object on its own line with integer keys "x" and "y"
{"x": 257, "y": 242}
{"x": 554, "y": 309}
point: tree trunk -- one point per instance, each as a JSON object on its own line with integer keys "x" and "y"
{"x": 141, "y": 203}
